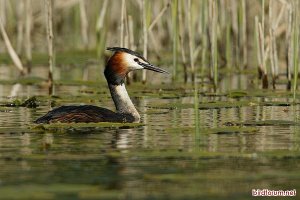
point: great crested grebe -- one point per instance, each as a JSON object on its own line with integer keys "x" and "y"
{"x": 118, "y": 66}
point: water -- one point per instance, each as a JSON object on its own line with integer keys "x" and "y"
{"x": 160, "y": 160}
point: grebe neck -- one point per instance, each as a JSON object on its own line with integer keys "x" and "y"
{"x": 123, "y": 102}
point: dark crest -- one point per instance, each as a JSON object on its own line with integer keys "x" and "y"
{"x": 116, "y": 49}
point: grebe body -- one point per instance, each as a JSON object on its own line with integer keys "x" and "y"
{"x": 118, "y": 66}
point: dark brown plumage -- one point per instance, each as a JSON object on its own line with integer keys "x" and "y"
{"x": 85, "y": 113}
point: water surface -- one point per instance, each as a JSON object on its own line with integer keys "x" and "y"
{"x": 166, "y": 158}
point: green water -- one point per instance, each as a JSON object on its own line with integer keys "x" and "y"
{"x": 246, "y": 140}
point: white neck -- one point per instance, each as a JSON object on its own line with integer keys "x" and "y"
{"x": 123, "y": 102}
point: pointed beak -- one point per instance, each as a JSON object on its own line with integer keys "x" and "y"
{"x": 152, "y": 68}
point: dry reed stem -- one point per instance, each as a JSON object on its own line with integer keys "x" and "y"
{"x": 213, "y": 39}
{"x": 204, "y": 37}
{"x": 280, "y": 16}
{"x": 49, "y": 29}
{"x": 101, "y": 17}
{"x": 122, "y": 22}
{"x": 130, "y": 45}
{"x": 181, "y": 39}
{"x": 158, "y": 17}
{"x": 145, "y": 34}
{"x": 271, "y": 31}
{"x": 263, "y": 17}
{"x": 28, "y": 28}
{"x": 175, "y": 36}
{"x": 191, "y": 38}
{"x": 258, "y": 48}
{"x": 272, "y": 56}
{"x": 222, "y": 15}
{"x": 289, "y": 54}
{"x": 275, "y": 56}
{"x": 274, "y": 23}
{"x": 12, "y": 53}
{"x": 131, "y": 33}
{"x": 263, "y": 58}
{"x": 228, "y": 43}
{"x": 262, "y": 47}
{"x": 100, "y": 29}
{"x": 84, "y": 23}
{"x": 235, "y": 29}
{"x": 196, "y": 53}
{"x": 234, "y": 17}
{"x": 295, "y": 47}
{"x": 126, "y": 31}
{"x": 20, "y": 26}
{"x": 244, "y": 33}
{"x": 154, "y": 43}
{"x": 3, "y": 11}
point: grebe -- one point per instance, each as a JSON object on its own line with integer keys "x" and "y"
{"x": 118, "y": 66}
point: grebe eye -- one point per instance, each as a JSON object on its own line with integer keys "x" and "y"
{"x": 136, "y": 60}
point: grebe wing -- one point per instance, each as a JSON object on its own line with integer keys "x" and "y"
{"x": 85, "y": 113}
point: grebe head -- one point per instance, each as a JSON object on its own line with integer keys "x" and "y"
{"x": 124, "y": 61}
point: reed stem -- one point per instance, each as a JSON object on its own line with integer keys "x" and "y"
{"x": 20, "y": 27}
{"x": 158, "y": 17}
{"x": 12, "y": 53}
{"x": 181, "y": 39}
{"x": 84, "y": 23}
{"x": 191, "y": 38}
{"x": 213, "y": 39}
{"x": 265, "y": 83}
{"x": 49, "y": 28}
{"x": 204, "y": 37}
{"x": 28, "y": 28}
{"x": 263, "y": 16}
{"x": 244, "y": 33}
{"x": 101, "y": 30}
{"x": 122, "y": 22}
{"x": 3, "y": 11}
{"x": 272, "y": 55}
{"x": 175, "y": 36}
{"x": 145, "y": 34}
{"x": 196, "y": 111}
{"x": 228, "y": 43}
{"x": 296, "y": 48}
{"x": 289, "y": 48}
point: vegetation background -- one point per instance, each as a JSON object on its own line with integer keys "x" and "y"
{"x": 194, "y": 38}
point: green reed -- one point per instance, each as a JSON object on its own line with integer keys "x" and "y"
{"x": 175, "y": 36}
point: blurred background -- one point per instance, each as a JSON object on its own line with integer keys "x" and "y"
{"x": 191, "y": 37}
